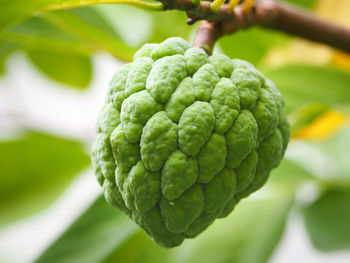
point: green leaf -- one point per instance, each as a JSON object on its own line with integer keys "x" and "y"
{"x": 304, "y": 84}
{"x": 337, "y": 148}
{"x": 39, "y": 33}
{"x": 177, "y": 21}
{"x": 305, "y": 115}
{"x": 68, "y": 69}
{"x": 89, "y": 25}
{"x": 57, "y": 54}
{"x": 303, "y": 3}
{"x": 126, "y": 20}
{"x": 34, "y": 169}
{"x": 287, "y": 177}
{"x": 15, "y": 11}
{"x": 65, "y": 40}
{"x": 249, "y": 234}
{"x": 103, "y": 234}
{"x": 251, "y": 44}
{"x": 327, "y": 159}
{"x": 5, "y": 50}
{"x": 81, "y": 31}
{"x": 150, "y": 26}
{"x": 327, "y": 220}
{"x": 92, "y": 237}
{"x": 93, "y": 26}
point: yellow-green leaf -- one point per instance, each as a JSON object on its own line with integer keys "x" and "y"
{"x": 34, "y": 169}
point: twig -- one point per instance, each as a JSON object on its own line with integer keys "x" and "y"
{"x": 208, "y": 33}
{"x": 266, "y": 13}
{"x": 304, "y": 25}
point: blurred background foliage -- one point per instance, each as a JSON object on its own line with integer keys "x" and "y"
{"x": 36, "y": 167}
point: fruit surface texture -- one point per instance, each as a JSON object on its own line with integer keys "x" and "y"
{"x": 183, "y": 137}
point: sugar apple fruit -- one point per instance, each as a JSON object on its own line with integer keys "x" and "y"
{"x": 182, "y": 137}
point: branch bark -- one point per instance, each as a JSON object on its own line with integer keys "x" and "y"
{"x": 266, "y": 13}
{"x": 208, "y": 33}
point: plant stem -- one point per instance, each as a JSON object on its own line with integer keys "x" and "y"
{"x": 136, "y": 3}
{"x": 248, "y": 5}
{"x": 270, "y": 14}
{"x": 302, "y": 24}
{"x": 233, "y": 3}
{"x": 207, "y": 34}
{"x": 215, "y": 5}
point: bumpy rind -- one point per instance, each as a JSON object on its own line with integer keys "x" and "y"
{"x": 183, "y": 137}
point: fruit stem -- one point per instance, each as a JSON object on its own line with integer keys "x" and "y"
{"x": 248, "y": 5}
{"x": 233, "y": 3}
{"x": 207, "y": 34}
{"x": 215, "y": 6}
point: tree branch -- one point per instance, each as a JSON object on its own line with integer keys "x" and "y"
{"x": 266, "y": 13}
{"x": 310, "y": 27}
{"x": 208, "y": 33}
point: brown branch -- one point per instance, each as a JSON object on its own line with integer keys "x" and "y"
{"x": 208, "y": 33}
{"x": 266, "y": 13}
{"x": 302, "y": 24}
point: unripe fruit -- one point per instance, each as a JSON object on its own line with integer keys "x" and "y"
{"x": 183, "y": 137}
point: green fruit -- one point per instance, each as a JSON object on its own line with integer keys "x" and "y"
{"x": 183, "y": 137}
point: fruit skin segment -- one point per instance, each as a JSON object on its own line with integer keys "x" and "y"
{"x": 183, "y": 137}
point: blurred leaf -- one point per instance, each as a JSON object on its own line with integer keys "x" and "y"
{"x": 34, "y": 169}
{"x": 92, "y": 237}
{"x": 139, "y": 248}
{"x": 5, "y": 50}
{"x": 337, "y": 148}
{"x": 237, "y": 238}
{"x": 305, "y": 115}
{"x": 68, "y": 69}
{"x": 15, "y": 11}
{"x": 249, "y": 234}
{"x": 85, "y": 30}
{"x": 38, "y": 33}
{"x": 80, "y": 31}
{"x": 127, "y": 20}
{"x": 150, "y": 26}
{"x": 92, "y": 28}
{"x": 161, "y": 31}
{"x": 323, "y": 126}
{"x": 303, "y": 3}
{"x": 103, "y": 234}
{"x": 327, "y": 159}
{"x": 65, "y": 40}
{"x": 327, "y": 220}
{"x": 251, "y": 44}
{"x": 304, "y": 84}
{"x": 287, "y": 177}
{"x": 25, "y": 41}
{"x": 55, "y": 53}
